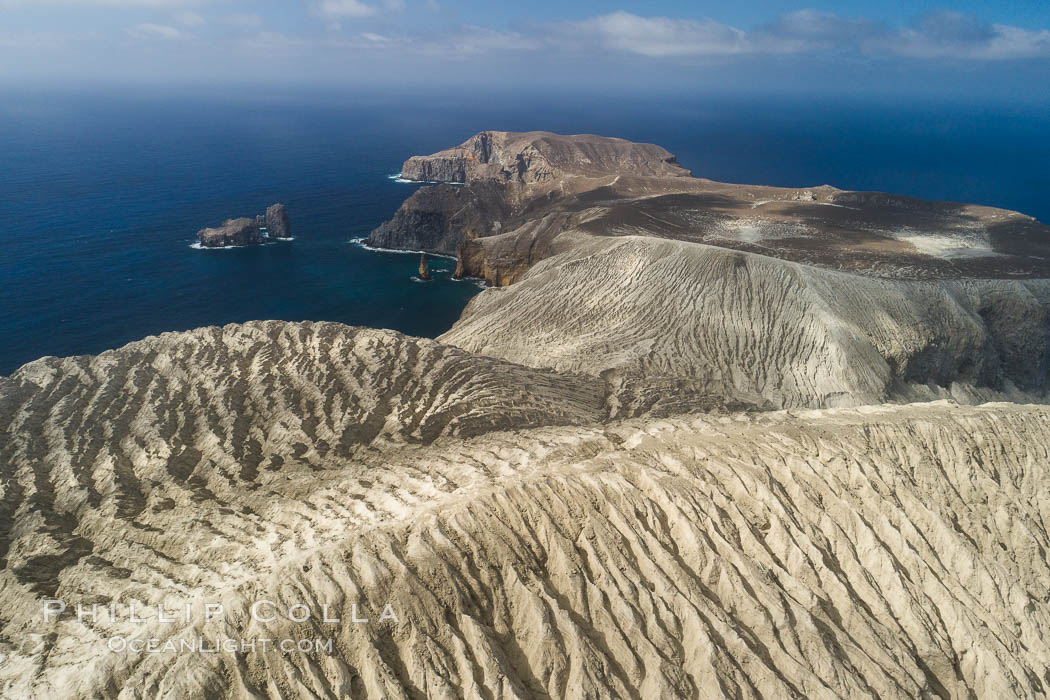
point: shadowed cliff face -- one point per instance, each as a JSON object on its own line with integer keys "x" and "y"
{"x": 898, "y": 551}
{"x": 434, "y": 219}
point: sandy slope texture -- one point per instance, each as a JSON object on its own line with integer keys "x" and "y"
{"x": 763, "y": 331}
{"x": 207, "y": 410}
{"x": 898, "y": 551}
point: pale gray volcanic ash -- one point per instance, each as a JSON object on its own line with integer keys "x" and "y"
{"x": 890, "y": 550}
{"x": 764, "y": 331}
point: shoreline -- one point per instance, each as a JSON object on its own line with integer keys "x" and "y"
{"x": 266, "y": 240}
{"x": 396, "y": 177}
{"x": 360, "y": 242}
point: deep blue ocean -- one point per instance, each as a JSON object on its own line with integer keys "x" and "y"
{"x": 102, "y": 192}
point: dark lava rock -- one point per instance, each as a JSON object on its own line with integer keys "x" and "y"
{"x": 277, "y": 225}
{"x": 248, "y": 231}
{"x": 435, "y": 218}
{"x": 243, "y": 231}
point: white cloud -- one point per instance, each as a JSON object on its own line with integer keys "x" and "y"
{"x": 470, "y": 40}
{"x": 271, "y": 40}
{"x": 345, "y": 8}
{"x": 809, "y": 30}
{"x": 376, "y": 38}
{"x": 1012, "y": 42}
{"x": 356, "y": 9}
{"x": 951, "y": 35}
{"x": 155, "y": 31}
{"x": 806, "y": 32}
{"x": 667, "y": 37}
{"x": 943, "y": 35}
{"x": 463, "y": 43}
{"x": 661, "y": 36}
{"x": 31, "y": 40}
{"x": 292, "y": 43}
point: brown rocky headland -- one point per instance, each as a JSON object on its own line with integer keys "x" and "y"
{"x": 522, "y": 193}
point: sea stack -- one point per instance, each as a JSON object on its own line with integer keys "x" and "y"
{"x": 277, "y": 225}
{"x": 424, "y": 268}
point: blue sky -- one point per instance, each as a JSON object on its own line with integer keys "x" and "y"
{"x": 975, "y": 45}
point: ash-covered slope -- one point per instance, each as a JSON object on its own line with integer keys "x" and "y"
{"x": 897, "y": 551}
{"x": 763, "y": 331}
{"x": 308, "y": 388}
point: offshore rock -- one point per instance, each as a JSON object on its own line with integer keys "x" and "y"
{"x": 277, "y": 225}
{"x": 424, "y": 268}
{"x": 233, "y": 232}
{"x": 247, "y": 231}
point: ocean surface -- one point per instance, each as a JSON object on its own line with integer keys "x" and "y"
{"x": 102, "y": 192}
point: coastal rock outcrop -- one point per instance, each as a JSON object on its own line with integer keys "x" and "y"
{"x": 247, "y": 231}
{"x": 277, "y": 225}
{"x": 499, "y": 176}
{"x": 233, "y": 232}
{"x": 424, "y": 267}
